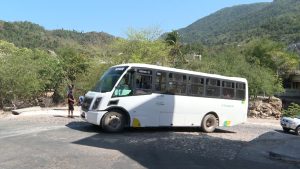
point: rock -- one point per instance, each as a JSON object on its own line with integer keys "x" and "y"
{"x": 253, "y": 113}
{"x": 8, "y": 108}
{"x": 265, "y": 108}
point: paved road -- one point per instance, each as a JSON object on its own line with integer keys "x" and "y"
{"x": 54, "y": 141}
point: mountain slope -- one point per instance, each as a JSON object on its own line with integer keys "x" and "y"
{"x": 278, "y": 20}
{"x": 30, "y": 35}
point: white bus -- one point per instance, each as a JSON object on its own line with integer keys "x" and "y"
{"x": 142, "y": 95}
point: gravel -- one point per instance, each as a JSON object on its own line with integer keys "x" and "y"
{"x": 243, "y": 132}
{"x": 224, "y": 144}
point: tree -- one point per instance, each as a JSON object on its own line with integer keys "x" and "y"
{"x": 173, "y": 40}
{"x": 140, "y": 47}
{"x": 272, "y": 55}
{"x": 145, "y": 34}
{"x": 73, "y": 63}
{"x": 24, "y": 73}
{"x": 88, "y": 79}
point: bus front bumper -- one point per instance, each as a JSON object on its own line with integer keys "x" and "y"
{"x": 93, "y": 117}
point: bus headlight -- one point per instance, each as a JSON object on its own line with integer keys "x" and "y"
{"x": 96, "y": 103}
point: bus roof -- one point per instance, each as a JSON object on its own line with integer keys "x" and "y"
{"x": 182, "y": 71}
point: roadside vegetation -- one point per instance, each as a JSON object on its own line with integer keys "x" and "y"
{"x": 27, "y": 74}
{"x": 292, "y": 111}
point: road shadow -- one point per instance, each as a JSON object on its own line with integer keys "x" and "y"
{"x": 155, "y": 150}
{"x": 84, "y": 126}
{"x": 87, "y": 127}
{"x": 60, "y": 108}
{"x": 291, "y": 132}
{"x": 264, "y": 147}
{"x": 173, "y": 129}
{"x": 61, "y": 116}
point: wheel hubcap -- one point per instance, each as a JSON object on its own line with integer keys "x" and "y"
{"x": 114, "y": 121}
{"x": 209, "y": 122}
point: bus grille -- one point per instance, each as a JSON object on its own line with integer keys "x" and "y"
{"x": 86, "y": 103}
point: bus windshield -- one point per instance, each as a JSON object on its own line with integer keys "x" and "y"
{"x": 109, "y": 79}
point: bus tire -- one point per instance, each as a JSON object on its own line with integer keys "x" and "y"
{"x": 209, "y": 123}
{"x": 113, "y": 122}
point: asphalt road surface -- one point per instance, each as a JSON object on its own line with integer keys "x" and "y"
{"x": 55, "y": 141}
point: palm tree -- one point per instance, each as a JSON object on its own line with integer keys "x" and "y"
{"x": 173, "y": 40}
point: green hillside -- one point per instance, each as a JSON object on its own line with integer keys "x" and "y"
{"x": 278, "y": 20}
{"x": 30, "y": 35}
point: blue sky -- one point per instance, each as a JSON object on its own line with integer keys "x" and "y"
{"x": 112, "y": 16}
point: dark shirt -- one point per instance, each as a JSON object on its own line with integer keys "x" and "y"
{"x": 70, "y": 98}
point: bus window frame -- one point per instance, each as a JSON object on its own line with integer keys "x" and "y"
{"x": 243, "y": 89}
{"x": 182, "y": 82}
{"x": 224, "y": 87}
{"x": 189, "y": 84}
{"x": 143, "y": 91}
{"x": 206, "y": 83}
{"x": 217, "y": 86}
{"x": 154, "y": 81}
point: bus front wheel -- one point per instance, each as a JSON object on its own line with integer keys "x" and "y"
{"x": 113, "y": 121}
{"x": 209, "y": 123}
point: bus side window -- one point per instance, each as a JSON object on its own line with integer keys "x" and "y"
{"x": 212, "y": 87}
{"x": 171, "y": 88}
{"x": 227, "y": 90}
{"x": 143, "y": 81}
{"x": 176, "y": 84}
{"x": 196, "y": 86}
{"x": 160, "y": 82}
{"x": 240, "y": 91}
{"x": 181, "y": 84}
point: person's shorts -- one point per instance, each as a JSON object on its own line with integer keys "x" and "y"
{"x": 71, "y": 107}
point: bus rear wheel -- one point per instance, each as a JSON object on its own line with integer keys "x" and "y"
{"x": 113, "y": 122}
{"x": 209, "y": 123}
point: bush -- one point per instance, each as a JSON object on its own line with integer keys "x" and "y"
{"x": 292, "y": 111}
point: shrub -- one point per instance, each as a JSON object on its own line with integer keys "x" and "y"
{"x": 292, "y": 111}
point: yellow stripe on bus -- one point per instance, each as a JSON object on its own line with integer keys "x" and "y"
{"x": 227, "y": 123}
{"x": 136, "y": 123}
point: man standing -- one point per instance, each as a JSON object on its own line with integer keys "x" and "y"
{"x": 71, "y": 102}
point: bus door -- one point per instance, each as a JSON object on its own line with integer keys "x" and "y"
{"x": 143, "y": 98}
{"x": 164, "y": 102}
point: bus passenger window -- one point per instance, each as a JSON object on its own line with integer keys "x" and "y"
{"x": 227, "y": 90}
{"x": 177, "y": 84}
{"x": 240, "y": 91}
{"x": 181, "y": 84}
{"x": 171, "y": 88}
{"x": 143, "y": 82}
{"x": 196, "y": 86}
{"x": 212, "y": 87}
{"x": 181, "y": 87}
{"x": 160, "y": 82}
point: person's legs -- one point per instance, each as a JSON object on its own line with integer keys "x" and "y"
{"x": 71, "y": 109}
